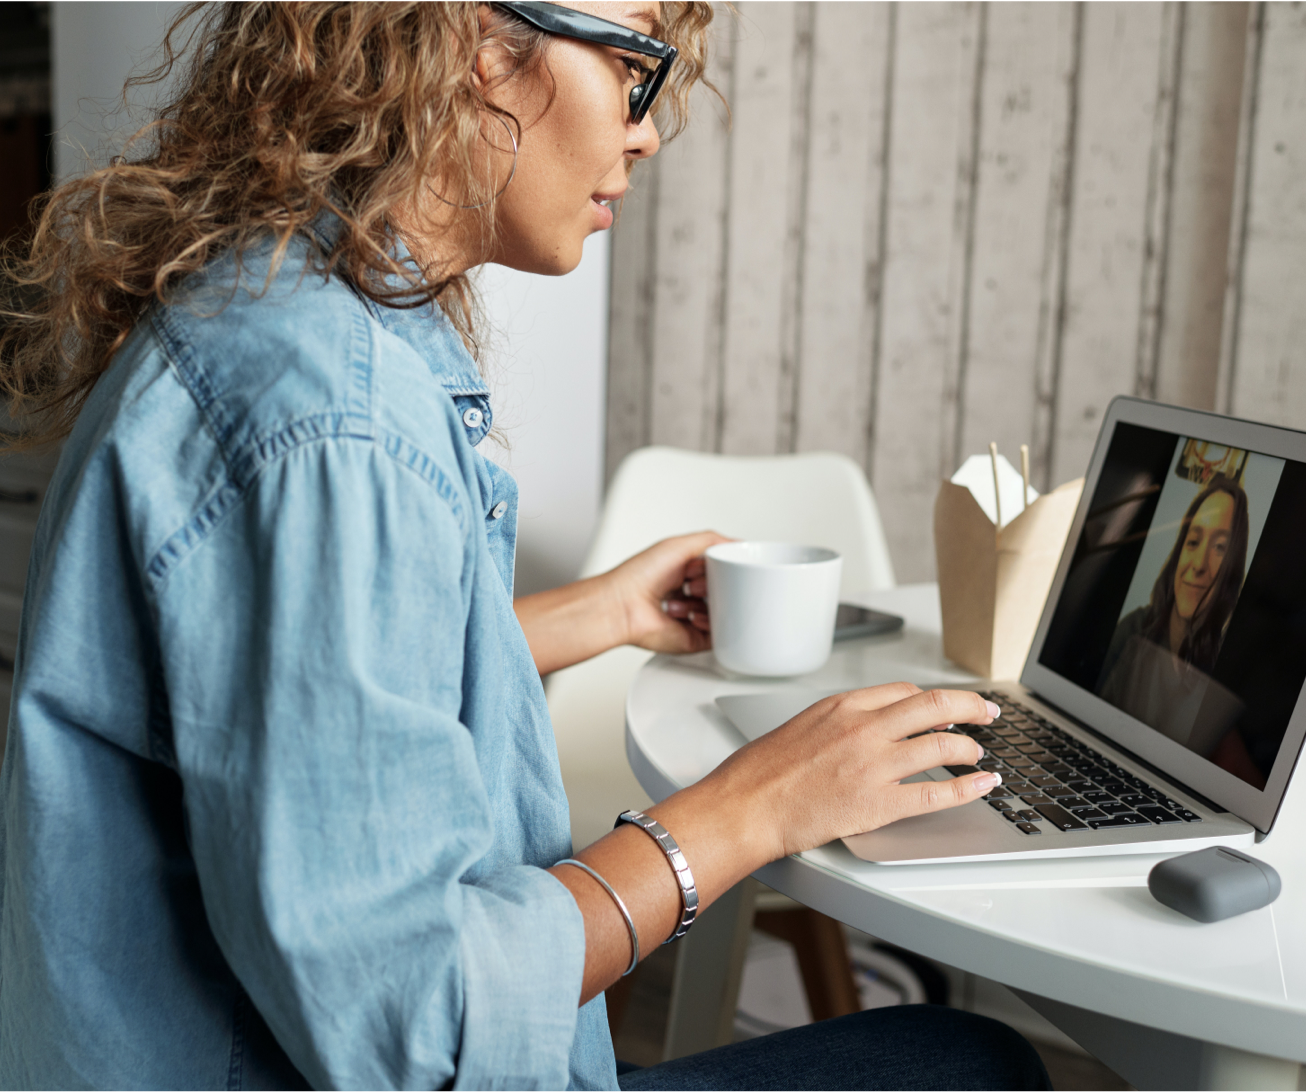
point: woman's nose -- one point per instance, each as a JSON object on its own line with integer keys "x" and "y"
{"x": 642, "y": 140}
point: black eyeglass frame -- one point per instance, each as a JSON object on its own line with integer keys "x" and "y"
{"x": 570, "y": 23}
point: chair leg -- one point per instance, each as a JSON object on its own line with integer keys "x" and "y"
{"x": 822, "y": 952}
{"x": 709, "y": 966}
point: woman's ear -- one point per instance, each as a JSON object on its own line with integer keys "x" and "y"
{"x": 482, "y": 69}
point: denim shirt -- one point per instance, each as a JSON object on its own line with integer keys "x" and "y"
{"x": 280, "y": 785}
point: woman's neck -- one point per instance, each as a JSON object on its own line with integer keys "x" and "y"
{"x": 1178, "y": 631}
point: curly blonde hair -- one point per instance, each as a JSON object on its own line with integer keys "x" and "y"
{"x": 283, "y": 111}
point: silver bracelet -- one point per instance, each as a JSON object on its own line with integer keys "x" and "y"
{"x": 630, "y": 924}
{"x": 679, "y": 866}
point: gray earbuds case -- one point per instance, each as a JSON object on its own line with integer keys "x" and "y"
{"x": 1213, "y": 884}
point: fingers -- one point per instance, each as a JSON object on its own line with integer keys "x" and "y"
{"x": 695, "y": 588}
{"x": 871, "y": 698}
{"x": 935, "y": 709}
{"x": 691, "y": 611}
{"x": 920, "y": 797}
{"x": 931, "y": 749}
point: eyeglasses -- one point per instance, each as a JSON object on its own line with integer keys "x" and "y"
{"x": 570, "y": 23}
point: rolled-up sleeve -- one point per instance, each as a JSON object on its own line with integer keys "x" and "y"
{"x": 314, "y": 644}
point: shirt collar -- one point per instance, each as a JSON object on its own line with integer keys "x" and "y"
{"x": 426, "y": 329}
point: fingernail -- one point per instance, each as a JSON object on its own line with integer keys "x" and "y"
{"x": 664, "y": 606}
{"x": 684, "y": 589}
{"x": 994, "y": 711}
{"x": 986, "y": 781}
{"x": 981, "y": 754}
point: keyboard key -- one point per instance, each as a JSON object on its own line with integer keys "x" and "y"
{"x": 1064, "y": 773}
{"x": 1157, "y": 815}
{"x": 1033, "y": 800}
{"x": 1060, "y": 818}
{"x": 1184, "y": 814}
{"x": 1020, "y": 763}
{"x": 1072, "y": 803}
{"x": 1080, "y": 786}
{"x": 961, "y": 771}
{"x": 1028, "y": 828}
{"x": 1089, "y": 813}
{"x": 1135, "y": 799}
{"x": 1058, "y": 791}
{"x": 1000, "y": 805}
{"x": 1043, "y": 781}
{"x": 1128, "y": 819}
{"x": 1014, "y": 816}
{"x": 1029, "y": 815}
{"x": 1114, "y": 807}
{"x": 1114, "y": 786}
{"x": 997, "y": 794}
{"x": 1019, "y": 787}
{"x": 1004, "y": 752}
{"x": 1097, "y": 796}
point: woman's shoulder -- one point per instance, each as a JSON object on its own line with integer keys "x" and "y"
{"x": 276, "y": 355}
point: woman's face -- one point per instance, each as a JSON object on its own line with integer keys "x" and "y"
{"x": 1202, "y": 553}
{"x": 575, "y": 144}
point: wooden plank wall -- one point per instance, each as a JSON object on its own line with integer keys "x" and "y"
{"x": 934, "y": 225}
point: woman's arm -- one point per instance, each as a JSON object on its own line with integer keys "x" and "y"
{"x": 834, "y": 770}
{"x": 654, "y": 600}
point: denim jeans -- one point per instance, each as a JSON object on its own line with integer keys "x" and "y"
{"x": 905, "y": 1046}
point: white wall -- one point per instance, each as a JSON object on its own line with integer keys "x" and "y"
{"x": 546, "y": 362}
{"x": 547, "y": 349}
{"x": 95, "y": 47}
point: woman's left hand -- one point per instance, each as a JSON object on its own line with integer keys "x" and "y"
{"x": 662, "y": 593}
{"x": 656, "y": 600}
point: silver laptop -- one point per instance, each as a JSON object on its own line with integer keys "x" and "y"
{"x": 1160, "y": 709}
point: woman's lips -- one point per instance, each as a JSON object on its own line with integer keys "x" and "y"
{"x": 602, "y": 213}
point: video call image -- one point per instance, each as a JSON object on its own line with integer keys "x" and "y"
{"x": 1184, "y": 595}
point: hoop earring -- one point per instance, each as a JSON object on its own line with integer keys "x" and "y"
{"x": 511, "y": 174}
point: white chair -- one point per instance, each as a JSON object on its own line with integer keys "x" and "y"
{"x": 819, "y": 499}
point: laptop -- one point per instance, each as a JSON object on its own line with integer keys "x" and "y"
{"x": 1160, "y": 709}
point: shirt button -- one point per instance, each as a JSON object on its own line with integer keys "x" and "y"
{"x": 472, "y": 418}
{"x": 499, "y": 509}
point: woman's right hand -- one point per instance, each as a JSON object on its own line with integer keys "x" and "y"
{"x": 836, "y": 769}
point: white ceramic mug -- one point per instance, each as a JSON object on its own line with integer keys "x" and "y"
{"x": 772, "y": 606}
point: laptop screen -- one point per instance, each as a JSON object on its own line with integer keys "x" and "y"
{"x": 1184, "y": 602}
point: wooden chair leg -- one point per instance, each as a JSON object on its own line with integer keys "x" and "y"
{"x": 823, "y": 959}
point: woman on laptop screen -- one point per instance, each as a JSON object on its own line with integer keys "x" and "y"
{"x": 1161, "y": 656}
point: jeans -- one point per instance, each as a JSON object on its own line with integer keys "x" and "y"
{"x": 904, "y": 1046}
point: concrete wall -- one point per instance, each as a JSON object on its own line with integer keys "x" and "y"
{"x": 935, "y": 225}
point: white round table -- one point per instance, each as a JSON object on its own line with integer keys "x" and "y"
{"x": 1163, "y": 1000}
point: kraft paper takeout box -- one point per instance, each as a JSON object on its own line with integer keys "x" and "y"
{"x": 992, "y": 586}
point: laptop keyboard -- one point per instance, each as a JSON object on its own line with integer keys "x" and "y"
{"x": 1053, "y": 782}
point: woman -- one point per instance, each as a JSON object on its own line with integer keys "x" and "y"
{"x": 282, "y": 805}
{"x": 1161, "y": 656}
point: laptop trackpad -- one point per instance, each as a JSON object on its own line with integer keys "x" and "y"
{"x": 966, "y": 831}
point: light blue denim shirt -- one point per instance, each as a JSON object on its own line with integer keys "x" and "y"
{"x": 280, "y": 785}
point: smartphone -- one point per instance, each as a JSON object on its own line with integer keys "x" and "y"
{"x": 863, "y": 622}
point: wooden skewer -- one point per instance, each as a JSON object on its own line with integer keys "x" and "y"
{"x": 997, "y": 494}
{"x": 1024, "y": 474}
